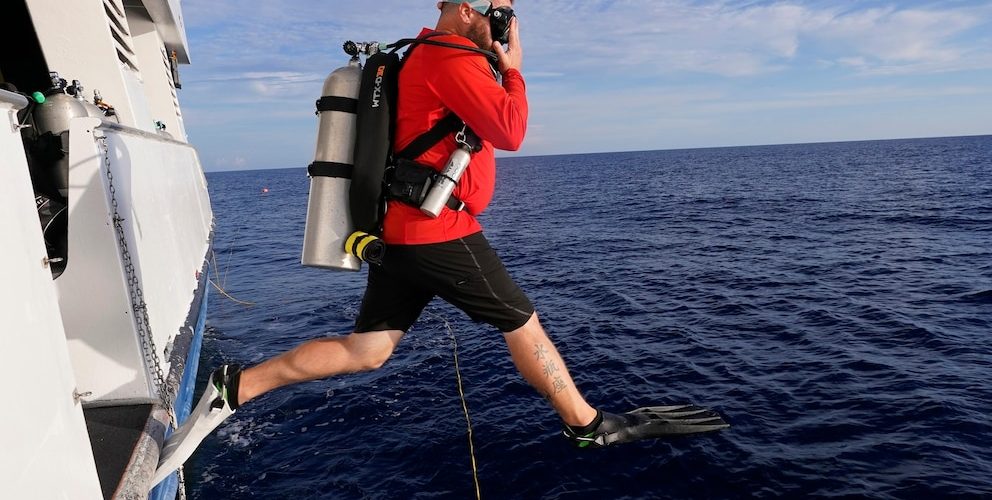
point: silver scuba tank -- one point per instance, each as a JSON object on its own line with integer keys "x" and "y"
{"x": 446, "y": 181}
{"x": 329, "y": 221}
{"x": 52, "y": 117}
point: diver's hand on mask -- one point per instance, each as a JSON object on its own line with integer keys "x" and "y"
{"x": 512, "y": 56}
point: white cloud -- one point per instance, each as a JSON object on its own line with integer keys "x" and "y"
{"x": 725, "y": 39}
{"x": 907, "y": 41}
{"x": 599, "y": 37}
{"x": 724, "y": 114}
{"x": 602, "y": 75}
{"x": 853, "y": 98}
{"x": 231, "y": 163}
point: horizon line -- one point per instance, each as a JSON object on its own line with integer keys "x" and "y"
{"x": 669, "y": 149}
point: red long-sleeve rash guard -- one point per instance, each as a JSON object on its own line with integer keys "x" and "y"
{"x": 434, "y": 82}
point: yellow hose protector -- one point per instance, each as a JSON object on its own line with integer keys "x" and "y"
{"x": 365, "y": 246}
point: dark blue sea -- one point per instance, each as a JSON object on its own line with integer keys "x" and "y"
{"x": 833, "y": 301}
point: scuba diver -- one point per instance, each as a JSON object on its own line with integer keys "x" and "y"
{"x": 445, "y": 256}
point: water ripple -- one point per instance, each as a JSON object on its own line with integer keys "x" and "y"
{"x": 832, "y": 300}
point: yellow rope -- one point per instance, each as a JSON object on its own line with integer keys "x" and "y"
{"x": 468, "y": 420}
{"x": 219, "y": 287}
{"x": 221, "y": 290}
{"x": 213, "y": 256}
{"x": 461, "y": 394}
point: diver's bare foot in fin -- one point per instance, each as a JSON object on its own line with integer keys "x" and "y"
{"x": 219, "y": 401}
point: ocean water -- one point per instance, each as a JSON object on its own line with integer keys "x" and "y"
{"x": 833, "y": 301}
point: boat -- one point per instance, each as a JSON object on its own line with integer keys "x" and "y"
{"x": 106, "y": 230}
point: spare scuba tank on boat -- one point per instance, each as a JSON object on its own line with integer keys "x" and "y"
{"x": 48, "y": 141}
{"x": 51, "y": 126}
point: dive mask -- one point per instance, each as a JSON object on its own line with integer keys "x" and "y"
{"x": 499, "y": 23}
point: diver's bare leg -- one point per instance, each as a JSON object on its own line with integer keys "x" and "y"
{"x": 540, "y": 364}
{"x": 312, "y": 360}
{"x": 317, "y": 359}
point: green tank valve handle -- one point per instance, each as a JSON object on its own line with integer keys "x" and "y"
{"x": 38, "y": 97}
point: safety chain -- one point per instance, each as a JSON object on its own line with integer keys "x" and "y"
{"x": 140, "y": 308}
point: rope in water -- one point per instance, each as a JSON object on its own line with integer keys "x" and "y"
{"x": 461, "y": 394}
{"x": 224, "y": 293}
{"x": 468, "y": 420}
{"x": 454, "y": 348}
{"x": 220, "y": 287}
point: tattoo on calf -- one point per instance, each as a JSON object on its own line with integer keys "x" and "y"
{"x": 551, "y": 370}
{"x": 540, "y": 351}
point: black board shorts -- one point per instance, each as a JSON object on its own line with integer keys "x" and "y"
{"x": 465, "y": 272}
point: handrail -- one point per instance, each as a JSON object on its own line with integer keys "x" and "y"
{"x": 19, "y": 101}
{"x": 105, "y": 124}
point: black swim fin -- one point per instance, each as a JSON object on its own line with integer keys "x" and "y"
{"x": 646, "y": 423}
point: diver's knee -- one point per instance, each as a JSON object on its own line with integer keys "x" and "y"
{"x": 376, "y": 361}
{"x": 370, "y": 351}
{"x": 530, "y": 328}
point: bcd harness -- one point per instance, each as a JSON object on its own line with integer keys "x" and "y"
{"x": 409, "y": 181}
{"x": 378, "y": 173}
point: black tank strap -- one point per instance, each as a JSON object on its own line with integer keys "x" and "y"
{"x": 337, "y": 103}
{"x": 330, "y": 169}
{"x": 443, "y": 128}
{"x": 450, "y": 123}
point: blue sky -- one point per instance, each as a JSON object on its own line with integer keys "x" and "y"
{"x": 615, "y": 75}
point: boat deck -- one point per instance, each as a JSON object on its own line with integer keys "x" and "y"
{"x": 114, "y": 432}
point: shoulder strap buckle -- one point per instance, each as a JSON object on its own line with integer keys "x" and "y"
{"x": 467, "y": 138}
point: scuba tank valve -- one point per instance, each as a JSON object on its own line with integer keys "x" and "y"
{"x": 76, "y": 90}
{"x": 354, "y": 49}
